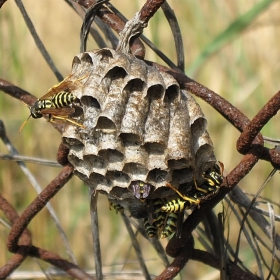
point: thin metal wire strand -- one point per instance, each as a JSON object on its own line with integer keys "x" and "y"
{"x": 250, "y": 240}
{"x": 251, "y": 204}
{"x": 95, "y": 233}
{"x": 177, "y": 35}
{"x": 139, "y": 225}
{"x": 38, "y": 189}
{"x": 38, "y": 41}
{"x": 88, "y": 19}
{"x": 28, "y": 159}
{"x": 229, "y": 247}
{"x": 169, "y": 62}
{"x": 136, "y": 247}
{"x": 81, "y": 11}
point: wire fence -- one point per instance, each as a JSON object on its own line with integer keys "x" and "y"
{"x": 257, "y": 226}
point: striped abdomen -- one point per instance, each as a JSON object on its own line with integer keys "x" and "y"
{"x": 62, "y": 99}
{"x": 175, "y": 205}
{"x": 158, "y": 220}
{"x": 170, "y": 226}
{"x": 151, "y": 230}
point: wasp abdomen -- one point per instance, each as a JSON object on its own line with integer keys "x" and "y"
{"x": 151, "y": 230}
{"x": 174, "y": 205}
{"x": 62, "y": 99}
{"x": 171, "y": 225}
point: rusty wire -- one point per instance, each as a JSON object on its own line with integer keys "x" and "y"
{"x": 250, "y": 144}
{"x": 20, "y": 242}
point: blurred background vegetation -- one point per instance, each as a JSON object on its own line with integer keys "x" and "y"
{"x": 244, "y": 69}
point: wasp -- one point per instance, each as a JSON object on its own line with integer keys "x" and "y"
{"x": 166, "y": 227}
{"x": 151, "y": 229}
{"x": 213, "y": 179}
{"x": 56, "y": 102}
{"x": 170, "y": 225}
{"x": 163, "y": 224}
{"x": 214, "y": 176}
{"x": 140, "y": 189}
{"x": 155, "y": 223}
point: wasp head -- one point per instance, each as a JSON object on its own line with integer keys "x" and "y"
{"x": 140, "y": 189}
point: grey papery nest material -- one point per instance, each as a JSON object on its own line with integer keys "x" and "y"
{"x": 139, "y": 126}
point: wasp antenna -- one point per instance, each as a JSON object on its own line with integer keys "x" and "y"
{"x": 24, "y": 124}
{"x": 26, "y": 104}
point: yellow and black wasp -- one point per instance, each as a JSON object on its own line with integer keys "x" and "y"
{"x": 213, "y": 179}
{"x": 56, "y": 102}
{"x": 163, "y": 224}
{"x": 154, "y": 223}
{"x": 165, "y": 219}
{"x": 140, "y": 189}
{"x": 170, "y": 225}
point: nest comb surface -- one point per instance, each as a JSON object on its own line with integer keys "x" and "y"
{"x": 139, "y": 126}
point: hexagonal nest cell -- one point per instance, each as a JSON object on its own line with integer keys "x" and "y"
{"x": 139, "y": 125}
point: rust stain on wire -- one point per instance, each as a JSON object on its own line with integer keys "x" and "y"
{"x": 37, "y": 205}
{"x": 258, "y": 122}
{"x": 22, "y": 252}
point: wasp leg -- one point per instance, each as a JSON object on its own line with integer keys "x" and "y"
{"x": 199, "y": 188}
{"x": 184, "y": 197}
{"x": 53, "y": 118}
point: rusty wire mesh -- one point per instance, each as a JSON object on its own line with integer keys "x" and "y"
{"x": 218, "y": 252}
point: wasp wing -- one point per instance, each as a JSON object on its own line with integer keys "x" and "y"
{"x": 66, "y": 85}
{"x": 62, "y": 86}
{"x": 62, "y": 112}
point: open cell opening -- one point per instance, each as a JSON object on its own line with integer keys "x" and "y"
{"x": 130, "y": 138}
{"x": 95, "y": 162}
{"x": 86, "y": 57}
{"x": 90, "y": 101}
{"x": 111, "y": 155}
{"x": 135, "y": 168}
{"x": 178, "y": 163}
{"x": 105, "y": 123}
{"x": 118, "y": 176}
{"x": 171, "y": 93}
{"x": 157, "y": 175}
{"x": 155, "y": 92}
{"x": 154, "y": 148}
{"x": 98, "y": 179}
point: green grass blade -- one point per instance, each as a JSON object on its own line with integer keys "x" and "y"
{"x": 230, "y": 33}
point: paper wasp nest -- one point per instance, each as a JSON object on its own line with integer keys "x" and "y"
{"x": 139, "y": 126}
